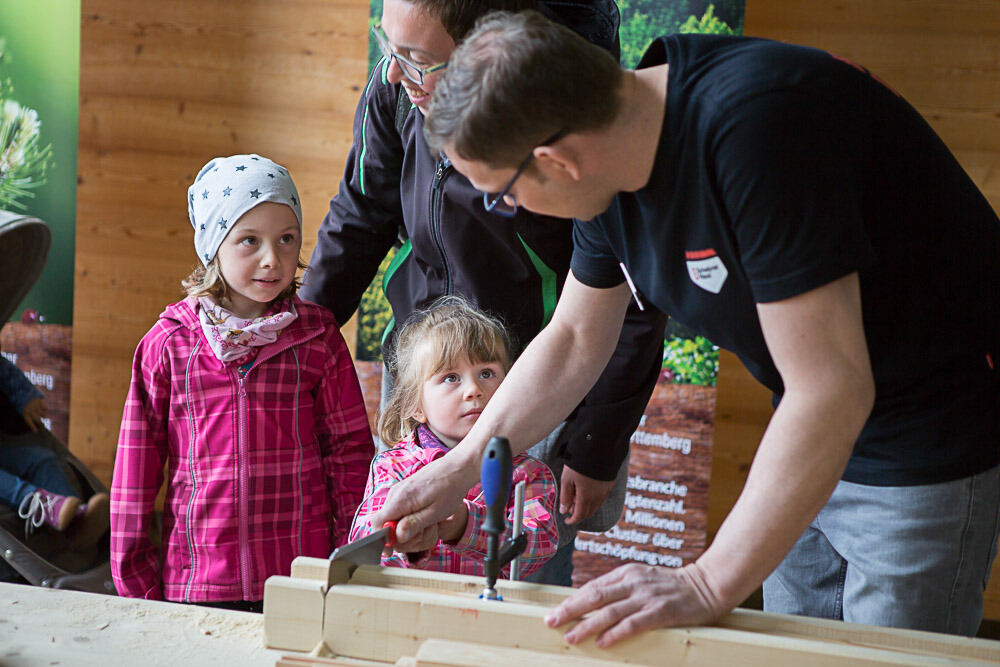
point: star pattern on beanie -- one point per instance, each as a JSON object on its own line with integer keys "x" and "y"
{"x": 228, "y": 187}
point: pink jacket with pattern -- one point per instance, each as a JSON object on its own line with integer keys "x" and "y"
{"x": 468, "y": 554}
{"x": 262, "y": 465}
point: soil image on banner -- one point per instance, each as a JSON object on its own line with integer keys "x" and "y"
{"x": 666, "y": 501}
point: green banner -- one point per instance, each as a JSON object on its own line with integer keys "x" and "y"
{"x": 39, "y": 94}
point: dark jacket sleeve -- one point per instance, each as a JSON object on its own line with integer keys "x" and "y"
{"x": 365, "y": 214}
{"x": 607, "y": 417}
{"x": 16, "y": 386}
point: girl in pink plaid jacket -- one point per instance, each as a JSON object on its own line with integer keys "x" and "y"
{"x": 449, "y": 361}
{"x": 249, "y": 397}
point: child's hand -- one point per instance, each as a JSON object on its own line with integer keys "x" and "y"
{"x": 33, "y": 413}
{"x": 452, "y": 529}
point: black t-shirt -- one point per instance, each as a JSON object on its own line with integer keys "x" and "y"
{"x": 782, "y": 168}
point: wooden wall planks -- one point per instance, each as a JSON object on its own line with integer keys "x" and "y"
{"x": 164, "y": 87}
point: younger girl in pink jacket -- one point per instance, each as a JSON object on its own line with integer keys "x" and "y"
{"x": 449, "y": 361}
{"x": 249, "y": 397}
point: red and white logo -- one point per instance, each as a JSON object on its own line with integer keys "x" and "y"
{"x": 706, "y": 269}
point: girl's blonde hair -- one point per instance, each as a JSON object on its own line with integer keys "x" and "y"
{"x": 208, "y": 281}
{"x": 431, "y": 341}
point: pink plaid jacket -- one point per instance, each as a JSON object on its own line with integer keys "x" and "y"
{"x": 261, "y": 467}
{"x": 468, "y": 554}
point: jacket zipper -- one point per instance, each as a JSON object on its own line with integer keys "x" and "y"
{"x": 437, "y": 194}
{"x": 243, "y": 468}
{"x": 192, "y": 471}
{"x": 301, "y": 450}
{"x": 243, "y": 486}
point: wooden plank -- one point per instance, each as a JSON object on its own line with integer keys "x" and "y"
{"x": 293, "y": 613}
{"x": 930, "y": 643}
{"x": 206, "y": 130}
{"x": 935, "y": 53}
{"x": 440, "y": 653}
{"x": 313, "y": 569}
{"x": 316, "y": 661}
{"x": 381, "y": 624}
{"x": 458, "y": 584}
{"x": 856, "y": 634}
{"x": 271, "y": 41}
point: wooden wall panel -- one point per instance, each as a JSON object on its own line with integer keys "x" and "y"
{"x": 164, "y": 87}
{"x": 944, "y": 57}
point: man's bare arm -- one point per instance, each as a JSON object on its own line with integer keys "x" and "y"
{"x": 818, "y": 344}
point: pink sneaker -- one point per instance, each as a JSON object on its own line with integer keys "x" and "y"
{"x": 46, "y": 508}
{"x": 92, "y": 520}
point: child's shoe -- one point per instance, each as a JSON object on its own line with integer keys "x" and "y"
{"x": 92, "y": 520}
{"x": 46, "y": 508}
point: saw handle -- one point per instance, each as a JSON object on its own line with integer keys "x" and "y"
{"x": 390, "y": 537}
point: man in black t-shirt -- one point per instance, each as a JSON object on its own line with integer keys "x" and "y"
{"x": 794, "y": 210}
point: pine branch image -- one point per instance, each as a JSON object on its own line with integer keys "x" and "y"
{"x": 23, "y": 159}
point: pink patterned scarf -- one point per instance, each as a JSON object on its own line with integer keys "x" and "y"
{"x": 232, "y": 337}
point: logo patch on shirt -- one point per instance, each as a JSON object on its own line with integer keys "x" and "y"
{"x": 706, "y": 269}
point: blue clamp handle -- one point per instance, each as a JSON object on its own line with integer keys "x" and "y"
{"x": 495, "y": 476}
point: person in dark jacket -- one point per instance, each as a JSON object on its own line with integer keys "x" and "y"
{"x": 513, "y": 267}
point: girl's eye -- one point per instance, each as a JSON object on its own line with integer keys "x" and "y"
{"x": 451, "y": 377}
{"x": 249, "y": 240}
{"x": 487, "y": 373}
{"x": 288, "y": 238}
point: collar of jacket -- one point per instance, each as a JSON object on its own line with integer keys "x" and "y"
{"x": 309, "y": 325}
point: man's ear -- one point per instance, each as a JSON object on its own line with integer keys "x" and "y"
{"x": 559, "y": 158}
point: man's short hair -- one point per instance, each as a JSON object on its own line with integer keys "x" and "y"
{"x": 515, "y": 80}
{"x": 459, "y": 16}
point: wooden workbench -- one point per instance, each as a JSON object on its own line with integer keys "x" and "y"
{"x": 41, "y": 626}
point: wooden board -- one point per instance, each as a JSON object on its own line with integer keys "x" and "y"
{"x": 45, "y": 626}
{"x": 387, "y": 614}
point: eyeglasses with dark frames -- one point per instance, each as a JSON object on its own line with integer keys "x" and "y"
{"x": 498, "y": 204}
{"x": 410, "y": 69}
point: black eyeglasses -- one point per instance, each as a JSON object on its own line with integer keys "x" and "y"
{"x": 410, "y": 69}
{"x": 499, "y": 205}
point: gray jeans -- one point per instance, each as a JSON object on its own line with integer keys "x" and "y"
{"x": 913, "y": 557}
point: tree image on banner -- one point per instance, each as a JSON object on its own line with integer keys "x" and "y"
{"x": 645, "y": 20}
{"x": 24, "y": 159}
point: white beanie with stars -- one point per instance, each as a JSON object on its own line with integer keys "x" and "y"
{"x": 228, "y": 187}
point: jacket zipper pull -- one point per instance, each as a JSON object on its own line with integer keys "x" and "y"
{"x": 439, "y": 174}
